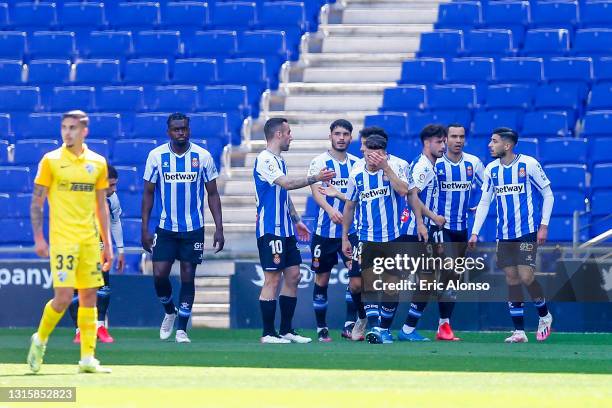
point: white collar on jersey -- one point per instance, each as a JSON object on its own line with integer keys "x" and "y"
{"x": 452, "y": 162}
{"x": 176, "y": 154}
{"x": 512, "y": 162}
{"x": 333, "y": 158}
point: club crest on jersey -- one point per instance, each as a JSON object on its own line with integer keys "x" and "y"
{"x": 469, "y": 171}
{"x": 522, "y": 172}
{"x": 405, "y": 216}
{"x": 315, "y": 263}
{"x": 89, "y": 168}
{"x": 195, "y": 162}
{"x": 276, "y": 259}
{"x": 166, "y": 164}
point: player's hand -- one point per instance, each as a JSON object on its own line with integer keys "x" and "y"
{"x": 378, "y": 160}
{"x": 147, "y": 241}
{"x": 120, "y": 262}
{"x": 542, "y": 234}
{"x": 302, "y": 231}
{"x": 218, "y": 241}
{"x": 335, "y": 216}
{"x": 329, "y": 191}
{"x": 422, "y": 232}
{"x": 439, "y": 220}
{"x": 472, "y": 241}
{"x": 347, "y": 249}
{"x": 107, "y": 258}
{"x": 42, "y": 248}
{"x": 325, "y": 175}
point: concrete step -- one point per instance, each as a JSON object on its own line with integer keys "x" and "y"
{"x": 212, "y": 296}
{"x": 244, "y": 214}
{"x": 388, "y": 15}
{"x": 219, "y": 321}
{"x": 371, "y": 44}
{"x": 238, "y": 201}
{"x": 247, "y": 188}
{"x": 314, "y": 59}
{"x": 352, "y": 74}
{"x": 375, "y": 29}
{"x": 317, "y": 117}
{"x": 200, "y": 308}
{"x": 246, "y": 173}
{"x": 393, "y": 3}
{"x": 293, "y": 159}
{"x": 212, "y": 283}
{"x": 330, "y": 103}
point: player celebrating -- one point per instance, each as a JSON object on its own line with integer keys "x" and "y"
{"x": 105, "y": 291}
{"x": 511, "y": 180}
{"x": 181, "y": 169}
{"x": 278, "y": 252}
{"x": 327, "y": 239}
{"x": 75, "y": 181}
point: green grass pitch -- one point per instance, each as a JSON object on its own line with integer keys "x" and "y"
{"x": 227, "y": 368}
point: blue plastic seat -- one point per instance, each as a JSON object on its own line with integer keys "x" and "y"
{"x": 511, "y": 15}
{"x": 601, "y": 204}
{"x": 52, "y": 44}
{"x": 4, "y": 16}
{"x": 12, "y": 44}
{"x": 3, "y": 149}
{"x": 490, "y": 42}
{"x": 268, "y": 44}
{"x": 566, "y": 176}
{"x": 485, "y": 121}
{"x": 519, "y": 69}
{"x": 540, "y": 123}
{"x": 130, "y": 203}
{"x": 100, "y": 146}
{"x": 601, "y": 96}
{"x": 564, "y": 150}
{"x": 593, "y": 41}
{"x": 214, "y": 43}
{"x": 395, "y": 124}
{"x": 49, "y": 71}
{"x": 600, "y": 225}
{"x": 422, "y": 70}
{"x": 560, "y": 229}
{"x": 404, "y": 98}
{"x": 597, "y": 123}
{"x": 121, "y": 98}
{"x": 5, "y": 126}
{"x": 235, "y": 15}
{"x": 15, "y": 205}
{"x": 554, "y": 13}
{"x": 42, "y": 125}
{"x": 136, "y": 15}
{"x": 105, "y": 125}
{"x": 81, "y": 16}
{"x": 566, "y": 202}
{"x": 206, "y": 125}
{"x": 417, "y": 121}
{"x": 544, "y": 42}
{"x": 602, "y": 176}
{"x": 599, "y": 151}
{"x": 566, "y": 96}
{"x": 243, "y": 71}
{"x": 223, "y": 98}
{"x": 447, "y": 97}
{"x": 470, "y": 70}
{"x": 602, "y": 69}
{"x": 132, "y": 151}
{"x": 17, "y": 232}
{"x": 19, "y": 98}
{"x": 176, "y": 98}
{"x": 65, "y": 98}
{"x": 459, "y": 14}
{"x": 158, "y": 44}
{"x": 110, "y": 44}
{"x": 576, "y": 69}
{"x": 150, "y": 125}
{"x": 146, "y": 71}
{"x": 16, "y": 179}
{"x": 195, "y": 71}
{"x": 34, "y": 16}
{"x": 130, "y": 180}
{"x": 186, "y": 14}
{"x": 441, "y": 43}
{"x": 30, "y": 152}
{"x": 11, "y": 72}
{"x": 97, "y": 71}
{"x": 528, "y": 146}
{"x": 596, "y": 14}
{"x": 283, "y": 15}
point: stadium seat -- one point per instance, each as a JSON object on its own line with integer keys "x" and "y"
{"x": 205, "y": 125}
{"x": 601, "y": 96}
{"x": 30, "y": 152}
{"x": 441, "y": 43}
{"x": 404, "y": 98}
{"x": 4, "y": 16}
{"x": 519, "y": 69}
{"x": 105, "y": 125}
{"x": 65, "y": 98}
{"x": 564, "y": 150}
{"x": 52, "y": 44}
{"x": 395, "y": 123}
{"x": 422, "y": 70}
{"x": 243, "y": 71}
{"x": 545, "y": 42}
{"x": 485, "y": 121}
{"x": 175, "y": 98}
{"x": 12, "y": 44}
{"x": 186, "y": 14}
{"x": 470, "y": 70}
{"x": 130, "y": 203}
{"x": 601, "y": 177}
{"x": 601, "y": 203}
{"x": 235, "y": 15}
{"x": 130, "y": 180}
{"x": 4, "y": 151}
{"x": 214, "y": 43}
{"x": 97, "y": 71}
{"x": 599, "y": 150}
{"x": 578, "y": 69}
{"x": 121, "y": 98}
{"x": 263, "y": 43}
{"x": 452, "y": 97}
{"x": 546, "y": 124}
{"x": 600, "y": 225}
{"x": 285, "y": 15}
{"x": 560, "y": 229}
{"x": 459, "y": 14}
{"x": 132, "y": 151}
{"x": 150, "y": 125}
{"x": 34, "y": 16}
{"x": 110, "y": 44}
{"x": 100, "y": 146}
{"x": 566, "y": 96}
{"x": 158, "y": 44}
{"x": 11, "y": 72}
{"x": 602, "y": 69}
{"x": 5, "y": 126}
{"x": 16, "y": 179}
{"x": 49, "y": 71}
{"x": 490, "y": 43}
{"x": 417, "y": 121}
{"x": 511, "y": 15}
{"x": 597, "y": 123}
{"x": 566, "y": 176}
{"x": 131, "y": 231}
{"x": 529, "y": 147}
{"x": 146, "y": 71}
{"x": 195, "y": 71}
{"x": 136, "y": 15}
{"x": 42, "y": 125}
{"x": 15, "y": 205}
{"x": 559, "y": 13}
{"x": 596, "y": 14}
{"x": 405, "y": 149}
{"x": 566, "y": 202}
{"x": 81, "y": 16}
{"x": 17, "y": 231}
{"x": 509, "y": 96}
{"x": 593, "y": 41}
{"x": 19, "y": 98}
{"x": 223, "y": 98}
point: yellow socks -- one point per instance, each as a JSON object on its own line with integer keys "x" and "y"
{"x": 87, "y": 322}
{"x": 48, "y": 321}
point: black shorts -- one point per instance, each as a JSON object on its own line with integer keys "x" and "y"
{"x": 325, "y": 253}
{"x": 277, "y": 253}
{"x": 518, "y": 251}
{"x": 355, "y": 269}
{"x": 169, "y": 246}
{"x": 454, "y": 243}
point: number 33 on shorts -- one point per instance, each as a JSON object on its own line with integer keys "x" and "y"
{"x": 76, "y": 266}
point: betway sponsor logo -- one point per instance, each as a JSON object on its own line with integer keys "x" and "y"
{"x": 510, "y": 189}
{"x": 26, "y": 276}
{"x": 455, "y": 185}
{"x": 180, "y": 177}
{"x": 341, "y": 182}
{"x": 373, "y": 194}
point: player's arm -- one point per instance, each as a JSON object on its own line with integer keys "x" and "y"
{"x": 330, "y": 191}
{"x": 103, "y": 220}
{"x": 538, "y": 178}
{"x": 302, "y": 230}
{"x": 293, "y": 183}
{"x": 482, "y": 209}
{"x": 36, "y": 218}
{"x": 347, "y": 222}
{"x": 475, "y": 194}
{"x": 418, "y": 208}
{"x": 214, "y": 203}
{"x": 116, "y": 230}
{"x": 334, "y": 215}
{"x": 148, "y": 196}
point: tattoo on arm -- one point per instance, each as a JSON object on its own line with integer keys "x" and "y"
{"x": 295, "y": 183}
{"x": 295, "y": 217}
{"x": 36, "y": 209}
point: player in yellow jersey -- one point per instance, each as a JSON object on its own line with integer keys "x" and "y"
{"x": 74, "y": 180}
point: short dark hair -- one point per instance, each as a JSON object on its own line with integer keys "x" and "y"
{"x": 432, "y": 130}
{"x": 112, "y": 172}
{"x": 343, "y": 123}
{"x": 373, "y": 130}
{"x": 507, "y": 133}
{"x": 78, "y": 115}
{"x": 376, "y": 142}
{"x": 272, "y": 125}
{"x": 177, "y": 116}
{"x": 455, "y": 125}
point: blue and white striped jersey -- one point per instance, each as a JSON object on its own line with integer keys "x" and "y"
{"x": 422, "y": 175}
{"x": 114, "y": 207}
{"x": 272, "y": 200}
{"x": 455, "y": 181}
{"x": 325, "y": 227}
{"x": 180, "y": 182}
{"x": 518, "y": 207}
{"x": 379, "y": 205}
